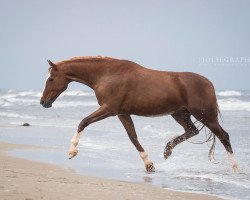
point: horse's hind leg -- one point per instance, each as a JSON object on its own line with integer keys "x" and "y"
{"x": 129, "y": 126}
{"x": 183, "y": 117}
{"x": 223, "y": 136}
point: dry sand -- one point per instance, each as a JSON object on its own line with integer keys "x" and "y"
{"x": 24, "y": 179}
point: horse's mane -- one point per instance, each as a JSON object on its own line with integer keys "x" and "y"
{"x": 87, "y": 58}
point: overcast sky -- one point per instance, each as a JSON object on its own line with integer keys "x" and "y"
{"x": 207, "y": 37}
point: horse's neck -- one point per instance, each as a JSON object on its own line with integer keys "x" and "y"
{"x": 87, "y": 73}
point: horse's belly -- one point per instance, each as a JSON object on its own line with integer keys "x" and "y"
{"x": 152, "y": 112}
{"x": 152, "y": 106}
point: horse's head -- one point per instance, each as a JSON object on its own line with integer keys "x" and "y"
{"x": 56, "y": 83}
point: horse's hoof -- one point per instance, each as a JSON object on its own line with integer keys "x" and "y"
{"x": 167, "y": 153}
{"x": 73, "y": 153}
{"x": 150, "y": 167}
{"x": 236, "y": 168}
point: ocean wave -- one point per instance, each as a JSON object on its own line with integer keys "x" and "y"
{"x": 233, "y": 104}
{"x": 64, "y": 104}
{"x": 4, "y": 103}
{"x": 21, "y": 100}
{"x": 158, "y": 132}
{"x": 216, "y": 178}
{"x": 90, "y": 145}
{"x": 152, "y": 129}
{"x": 57, "y": 104}
{"x": 229, "y": 93}
{"x": 30, "y": 93}
{"x": 31, "y": 97}
{"x": 15, "y": 115}
{"x": 15, "y": 101}
{"x": 33, "y": 93}
{"x": 77, "y": 93}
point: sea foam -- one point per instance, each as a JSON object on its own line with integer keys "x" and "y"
{"x": 64, "y": 104}
{"x": 233, "y": 104}
{"x": 77, "y": 93}
{"x": 229, "y": 93}
{"x": 16, "y": 115}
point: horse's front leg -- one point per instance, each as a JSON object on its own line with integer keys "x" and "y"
{"x": 99, "y": 114}
{"x": 129, "y": 126}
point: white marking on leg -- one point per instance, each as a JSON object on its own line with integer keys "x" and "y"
{"x": 235, "y": 165}
{"x": 75, "y": 139}
{"x": 144, "y": 157}
{"x": 74, "y": 142}
{"x": 148, "y": 164}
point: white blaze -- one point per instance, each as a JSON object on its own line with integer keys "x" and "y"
{"x": 48, "y": 76}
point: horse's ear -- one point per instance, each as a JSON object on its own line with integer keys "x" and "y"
{"x": 53, "y": 65}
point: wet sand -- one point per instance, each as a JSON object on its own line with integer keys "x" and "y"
{"x": 24, "y": 179}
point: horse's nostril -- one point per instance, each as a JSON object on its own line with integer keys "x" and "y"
{"x": 41, "y": 102}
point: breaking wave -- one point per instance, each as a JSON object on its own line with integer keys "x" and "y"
{"x": 32, "y": 98}
{"x": 64, "y": 104}
{"x": 229, "y": 93}
{"x": 228, "y": 100}
{"x": 77, "y": 93}
{"x": 15, "y": 115}
{"x": 234, "y": 104}
{"x": 32, "y": 93}
{"x": 29, "y": 93}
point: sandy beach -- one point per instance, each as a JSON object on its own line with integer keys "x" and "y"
{"x": 24, "y": 179}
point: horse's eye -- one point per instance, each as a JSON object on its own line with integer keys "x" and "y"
{"x": 50, "y": 79}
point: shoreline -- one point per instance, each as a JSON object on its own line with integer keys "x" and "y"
{"x": 25, "y": 179}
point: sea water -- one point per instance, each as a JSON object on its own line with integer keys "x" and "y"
{"x": 105, "y": 150}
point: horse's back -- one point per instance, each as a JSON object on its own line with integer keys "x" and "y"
{"x": 167, "y": 92}
{"x": 150, "y": 92}
{"x": 131, "y": 88}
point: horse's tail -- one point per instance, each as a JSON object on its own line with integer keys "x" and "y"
{"x": 210, "y": 136}
{"x": 218, "y": 111}
{"x": 212, "y": 148}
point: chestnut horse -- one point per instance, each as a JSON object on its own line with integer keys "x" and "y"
{"x": 124, "y": 88}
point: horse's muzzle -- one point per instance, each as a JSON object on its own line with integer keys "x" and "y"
{"x": 46, "y": 104}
